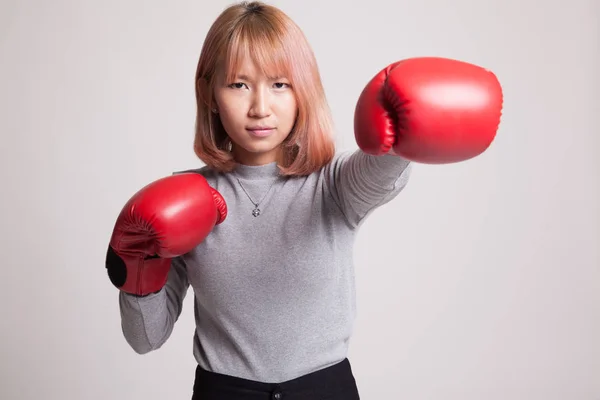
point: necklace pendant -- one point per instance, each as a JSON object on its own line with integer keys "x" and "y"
{"x": 256, "y": 212}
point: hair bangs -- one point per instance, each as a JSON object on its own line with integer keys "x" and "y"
{"x": 261, "y": 43}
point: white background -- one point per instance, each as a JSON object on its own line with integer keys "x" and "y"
{"x": 481, "y": 281}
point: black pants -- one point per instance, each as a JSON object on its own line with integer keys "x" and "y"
{"x": 332, "y": 383}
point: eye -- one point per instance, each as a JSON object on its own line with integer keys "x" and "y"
{"x": 237, "y": 85}
{"x": 281, "y": 85}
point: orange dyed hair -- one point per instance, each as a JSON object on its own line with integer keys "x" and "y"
{"x": 277, "y": 46}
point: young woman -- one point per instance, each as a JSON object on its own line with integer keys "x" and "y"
{"x": 264, "y": 232}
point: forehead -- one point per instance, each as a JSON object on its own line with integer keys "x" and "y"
{"x": 249, "y": 69}
{"x": 256, "y": 60}
{"x": 246, "y": 66}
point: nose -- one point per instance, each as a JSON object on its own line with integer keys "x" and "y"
{"x": 261, "y": 103}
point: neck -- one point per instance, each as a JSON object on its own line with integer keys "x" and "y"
{"x": 262, "y": 171}
{"x": 244, "y": 157}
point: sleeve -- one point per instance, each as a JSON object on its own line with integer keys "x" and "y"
{"x": 359, "y": 182}
{"x": 147, "y": 322}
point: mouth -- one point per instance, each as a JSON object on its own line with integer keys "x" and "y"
{"x": 260, "y": 130}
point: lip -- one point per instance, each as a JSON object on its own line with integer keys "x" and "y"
{"x": 260, "y": 131}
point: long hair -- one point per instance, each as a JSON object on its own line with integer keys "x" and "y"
{"x": 278, "y": 47}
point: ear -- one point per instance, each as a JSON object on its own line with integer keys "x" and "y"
{"x": 202, "y": 88}
{"x": 204, "y": 92}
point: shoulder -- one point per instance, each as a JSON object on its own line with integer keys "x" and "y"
{"x": 337, "y": 160}
{"x": 205, "y": 171}
{"x": 340, "y": 160}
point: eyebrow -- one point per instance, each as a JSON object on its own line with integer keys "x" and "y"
{"x": 247, "y": 78}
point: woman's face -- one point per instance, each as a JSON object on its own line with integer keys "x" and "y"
{"x": 258, "y": 112}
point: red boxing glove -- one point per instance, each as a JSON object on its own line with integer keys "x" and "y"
{"x": 430, "y": 110}
{"x": 165, "y": 219}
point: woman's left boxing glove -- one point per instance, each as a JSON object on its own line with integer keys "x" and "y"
{"x": 430, "y": 110}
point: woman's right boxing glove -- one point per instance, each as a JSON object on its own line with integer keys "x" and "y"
{"x": 163, "y": 220}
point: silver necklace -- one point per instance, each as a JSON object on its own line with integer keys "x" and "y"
{"x": 256, "y": 210}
